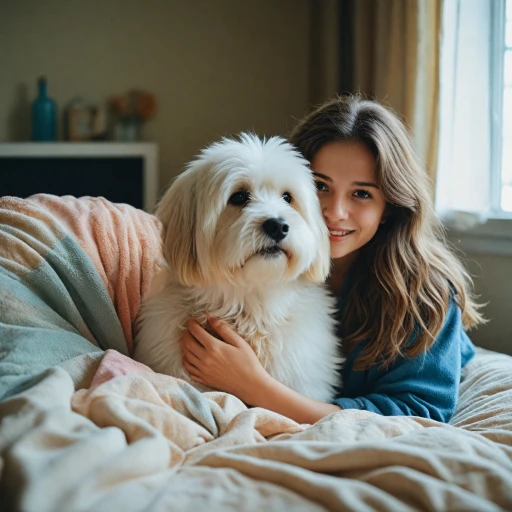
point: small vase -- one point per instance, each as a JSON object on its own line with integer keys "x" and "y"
{"x": 127, "y": 129}
{"x": 44, "y": 115}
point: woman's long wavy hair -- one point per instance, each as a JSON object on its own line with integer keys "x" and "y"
{"x": 404, "y": 277}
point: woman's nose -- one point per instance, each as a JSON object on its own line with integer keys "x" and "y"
{"x": 334, "y": 209}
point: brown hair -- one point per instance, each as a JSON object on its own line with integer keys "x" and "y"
{"x": 403, "y": 278}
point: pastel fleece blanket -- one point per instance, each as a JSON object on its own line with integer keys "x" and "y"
{"x": 103, "y": 433}
{"x": 72, "y": 275}
{"x": 83, "y": 427}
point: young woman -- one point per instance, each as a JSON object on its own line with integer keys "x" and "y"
{"x": 404, "y": 299}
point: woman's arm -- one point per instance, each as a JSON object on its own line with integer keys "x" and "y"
{"x": 232, "y": 366}
{"x": 426, "y": 385}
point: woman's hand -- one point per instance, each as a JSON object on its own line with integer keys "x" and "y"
{"x": 232, "y": 366}
{"x": 228, "y": 364}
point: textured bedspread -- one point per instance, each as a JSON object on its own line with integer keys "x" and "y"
{"x": 83, "y": 427}
{"x": 134, "y": 440}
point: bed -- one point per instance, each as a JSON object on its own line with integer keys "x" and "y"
{"x": 84, "y": 427}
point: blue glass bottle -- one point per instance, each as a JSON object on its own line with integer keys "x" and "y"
{"x": 44, "y": 115}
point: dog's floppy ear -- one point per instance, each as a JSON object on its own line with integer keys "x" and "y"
{"x": 320, "y": 268}
{"x": 177, "y": 211}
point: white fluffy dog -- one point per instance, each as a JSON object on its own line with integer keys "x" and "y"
{"x": 245, "y": 241}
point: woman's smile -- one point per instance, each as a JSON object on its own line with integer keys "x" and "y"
{"x": 338, "y": 235}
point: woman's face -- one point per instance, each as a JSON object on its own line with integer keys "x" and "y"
{"x": 352, "y": 204}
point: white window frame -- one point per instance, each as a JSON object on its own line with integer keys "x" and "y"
{"x": 498, "y": 49}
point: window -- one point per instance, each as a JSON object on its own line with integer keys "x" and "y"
{"x": 464, "y": 189}
{"x": 474, "y": 168}
{"x": 502, "y": 128}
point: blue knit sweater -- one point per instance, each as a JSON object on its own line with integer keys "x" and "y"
{"x": 427, "y": 385}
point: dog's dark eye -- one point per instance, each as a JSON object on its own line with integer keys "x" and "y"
{"x": 287, "y": 197}
{"x": 240, "y": 198}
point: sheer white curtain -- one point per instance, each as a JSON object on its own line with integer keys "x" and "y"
{"x": 463, "y": 185}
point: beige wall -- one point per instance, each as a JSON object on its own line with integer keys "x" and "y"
{"x": 216, "y": 67}
{"x": 493, "y": 282}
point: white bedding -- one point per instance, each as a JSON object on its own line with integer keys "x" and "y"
{"x": 104, "y": 433}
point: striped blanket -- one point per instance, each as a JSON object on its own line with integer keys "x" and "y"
{"x": 72, "y": 275}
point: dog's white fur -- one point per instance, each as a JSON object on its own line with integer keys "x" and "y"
{"x": 214, "y": 254}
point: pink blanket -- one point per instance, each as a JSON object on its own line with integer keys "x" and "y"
{"x": 123, "y": 243}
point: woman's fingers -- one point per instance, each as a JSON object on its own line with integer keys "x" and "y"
{"x": 203, "y": 337}
{"x": 192, "y": 370}
{"x": 210, "y": 342}
{"x": 228, "y": 364}
{"x": 192, "y": 358}
{"x": 224, "y": 331}
{"x": 190, "y": 344}
{"x": 192, "y": 352}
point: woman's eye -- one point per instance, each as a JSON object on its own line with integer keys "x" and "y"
{"x": 322, "y": 187}
{"x": 240, "y": 198}
{"x": 287, "y": 197}
{"x": 362, "y": 194}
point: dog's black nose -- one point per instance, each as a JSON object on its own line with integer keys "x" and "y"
{"x": 276, "y": 229}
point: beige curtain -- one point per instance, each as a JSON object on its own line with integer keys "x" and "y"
{"x": 396, "y": 61}
{"x": 325, "y": 57}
